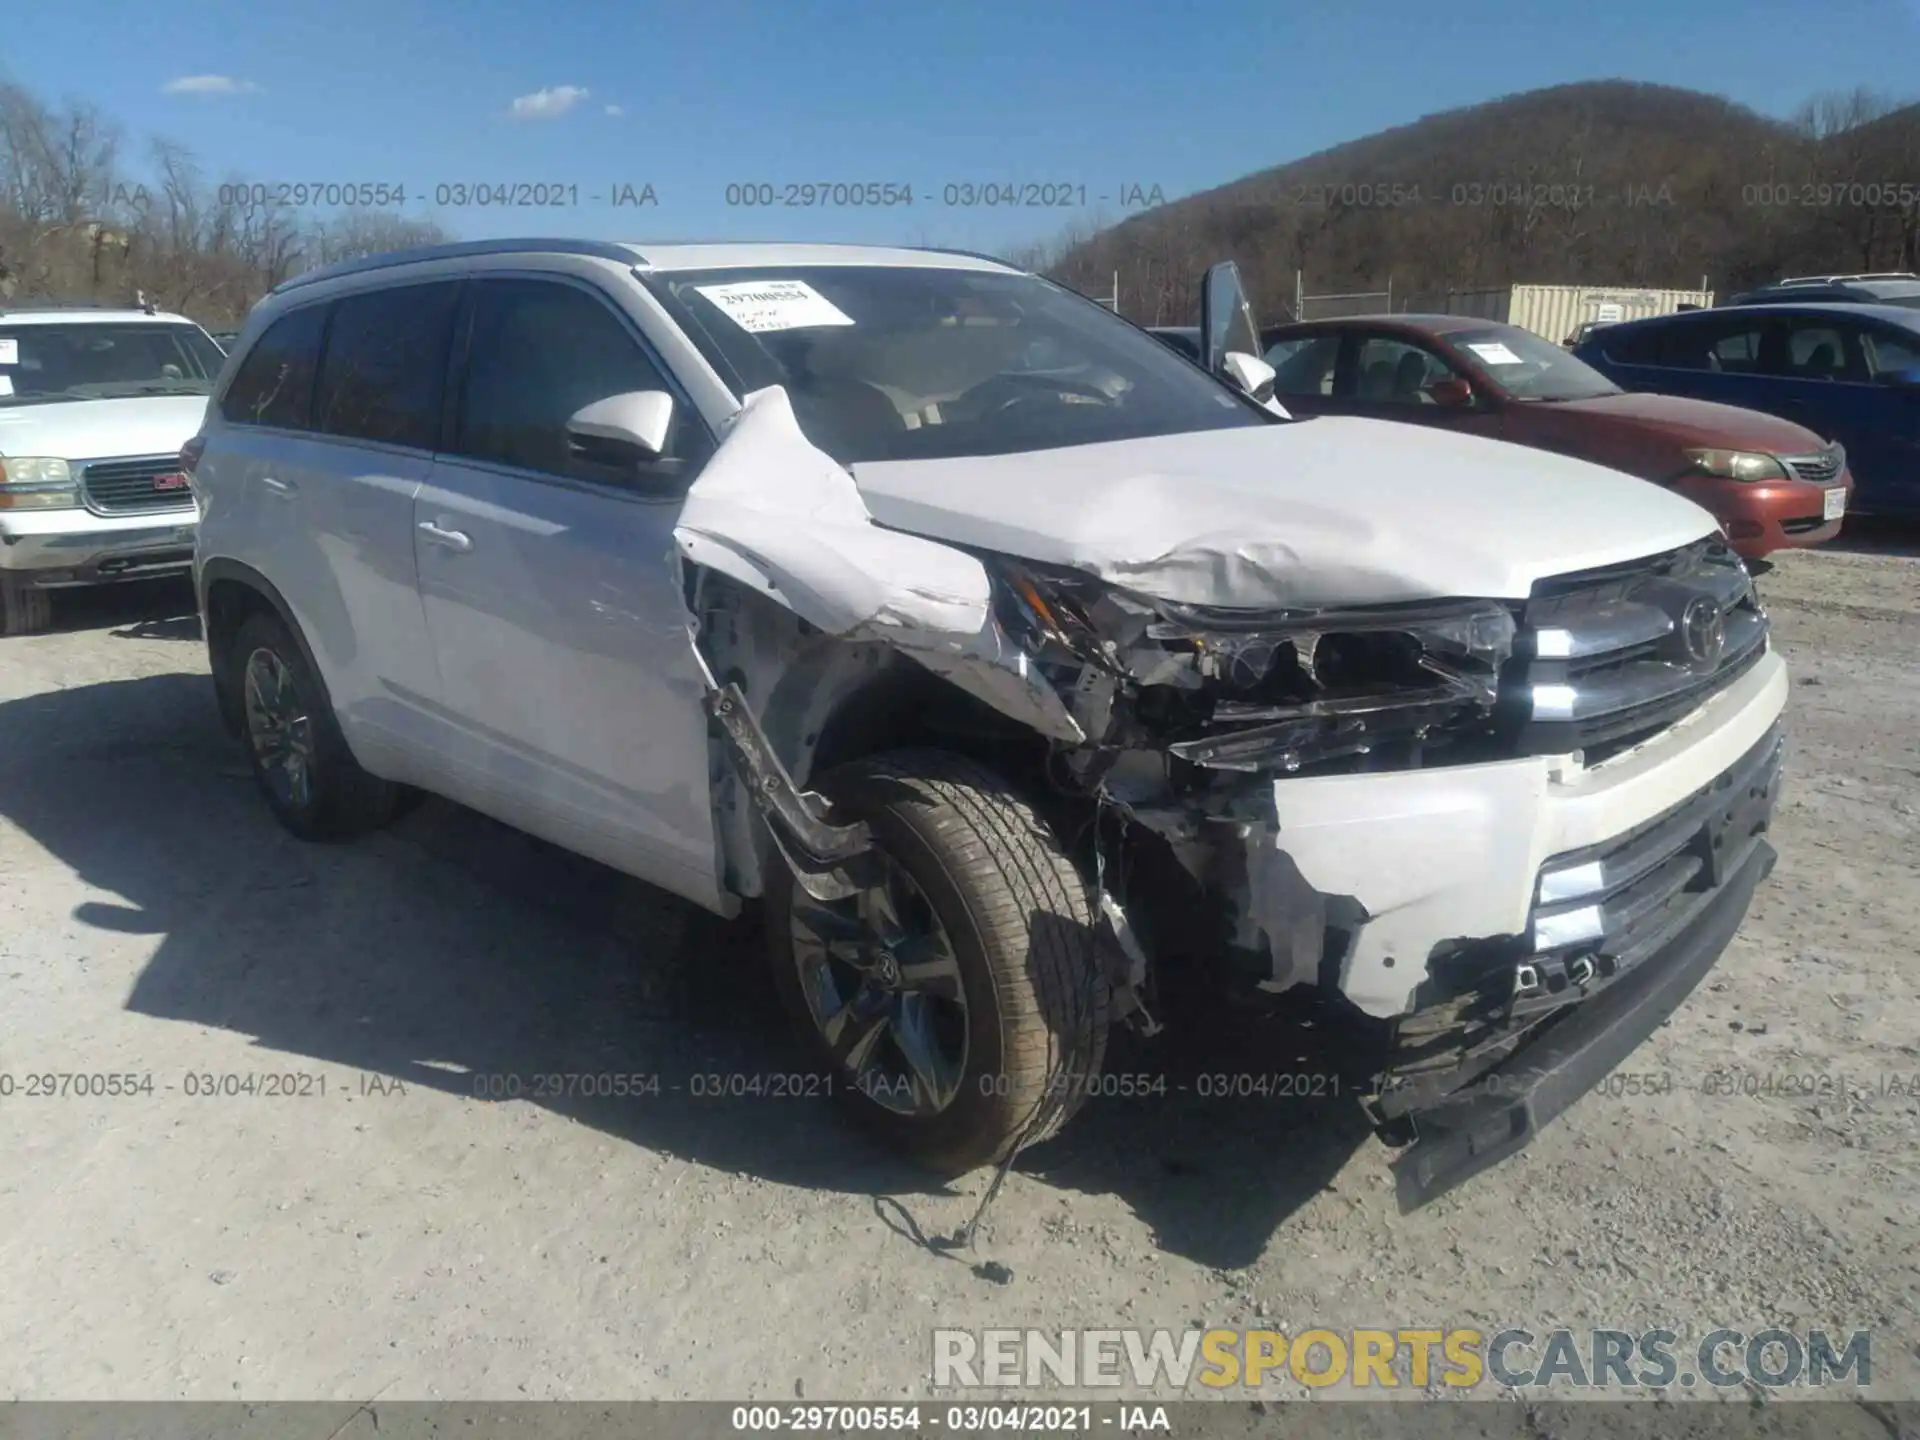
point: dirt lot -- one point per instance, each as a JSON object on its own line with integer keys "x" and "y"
{"x": 397, "y": 1236}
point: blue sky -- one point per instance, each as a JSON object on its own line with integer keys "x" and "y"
{"x": 690, "y": 97}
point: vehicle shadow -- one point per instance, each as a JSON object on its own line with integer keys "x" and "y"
{"x": 159, "y": 609}
{"x": 455, "y": 953}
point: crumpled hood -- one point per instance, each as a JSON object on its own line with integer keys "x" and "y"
{"x": 101, "y": 429}
{"x": 1698, "y": 422}
{"x": 1331, "y": 511}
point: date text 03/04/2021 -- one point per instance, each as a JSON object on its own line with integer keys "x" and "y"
{"x": 444, "y": 194}
{"x": 953, "y": 195}
{"x": 965, "y": 1419}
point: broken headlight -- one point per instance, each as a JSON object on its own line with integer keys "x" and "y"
{"x": 1232, "y": 689}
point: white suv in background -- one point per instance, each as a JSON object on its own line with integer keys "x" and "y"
{"x": 94, "y": 407}
{"x": 1004, "y": 656}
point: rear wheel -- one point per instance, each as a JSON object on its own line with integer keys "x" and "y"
{"x": 24, "y": 610}
{"x": 957, "y": 1004}
{"x": 300, "y": 759}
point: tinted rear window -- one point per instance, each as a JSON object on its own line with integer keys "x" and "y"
{"x": 385, "y": 368}
{"x": 274, "y": 385}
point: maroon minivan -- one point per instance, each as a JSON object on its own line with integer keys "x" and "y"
{"x": 1771, "y": 484}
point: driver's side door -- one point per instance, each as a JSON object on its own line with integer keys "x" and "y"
{"x": 572, "y": 703}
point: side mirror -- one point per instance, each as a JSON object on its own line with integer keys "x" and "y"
{"x": 1903, "y": 379}
{"x": 1453, "y": 392}
{"x": 626, "y": 432}
{"x": 1250, "y": 373}
{"x": 1226, "y": 318}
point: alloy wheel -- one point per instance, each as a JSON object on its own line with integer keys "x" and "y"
{"x": 884, "y": 988}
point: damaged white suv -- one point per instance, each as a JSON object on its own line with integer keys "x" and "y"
{"x": 1004, "y": 655}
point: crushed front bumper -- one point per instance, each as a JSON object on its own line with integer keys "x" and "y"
{"x": 1481, "y": 1072}
{"x": 1499, "y": 1112}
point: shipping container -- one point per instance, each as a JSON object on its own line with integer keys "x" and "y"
{"x": 1555, "y": 312}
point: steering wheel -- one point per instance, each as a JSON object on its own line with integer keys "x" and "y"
{"x": 1027, "y": 389}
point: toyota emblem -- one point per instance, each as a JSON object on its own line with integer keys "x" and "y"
{"x": 1703, "y": 629}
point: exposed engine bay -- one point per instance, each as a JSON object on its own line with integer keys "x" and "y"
{"x": 1245, "y": 691}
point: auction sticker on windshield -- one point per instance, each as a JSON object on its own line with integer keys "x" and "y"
{"x": 1496, "y": 354}
{"x": 9, "y": 351}
{"x": 761, "y": 305}
{"x": 6, "y": 384}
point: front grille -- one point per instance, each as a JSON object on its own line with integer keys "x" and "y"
{"x": 1608, "y": 658}
{"x": 127, "y": 487}
{"x": 1818, "y": 468}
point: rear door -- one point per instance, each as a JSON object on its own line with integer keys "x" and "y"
{"x": 550, "y": 591}
{"x": 325, "y": 433}
{"x": 1718, "y": 357}
{"x": 376, "y": 413}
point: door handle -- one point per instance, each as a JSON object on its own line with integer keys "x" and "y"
{"x": 278, "y": 487}
{"x": 456, "y": 540}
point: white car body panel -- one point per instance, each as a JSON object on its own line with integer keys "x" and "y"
{"x": 1325, "y": 512}
{"x": 81, "y": 430}
{"x": 569, "y": 699}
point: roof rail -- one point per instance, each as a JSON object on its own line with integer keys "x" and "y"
{"x": 43, "y": 307}
{"x": 387, "y": 259}
{"x": 1847, "y": 279}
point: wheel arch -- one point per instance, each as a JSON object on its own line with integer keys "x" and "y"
{"x": 230, "y": 592}
{"x": 824, "y": 700}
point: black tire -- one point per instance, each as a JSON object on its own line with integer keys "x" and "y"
{"x": 340, "y": 800}
{"x": 1021, "y": 926}
{"x": 24, "y": 610}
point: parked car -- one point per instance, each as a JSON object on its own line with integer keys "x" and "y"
{"x": 1772, "y": 484}
{"x": 1894, "y": 287}
{"x": 1846, "y": 371}
{"x": 1582, "y": 331}
{"x": 1001, "y": 656}
{"x": 94, "y": 407}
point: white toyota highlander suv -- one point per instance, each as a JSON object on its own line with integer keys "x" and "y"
{"x": 1004, "y": 657}
{"x": 94, "y": 407}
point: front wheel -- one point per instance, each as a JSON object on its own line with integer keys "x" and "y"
{"x": 958, "y": 1004}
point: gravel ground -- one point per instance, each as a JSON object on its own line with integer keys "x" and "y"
{"x": 396, "y": 1236}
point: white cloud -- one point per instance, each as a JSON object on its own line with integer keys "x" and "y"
{"x": 209, "y": 85}
{"x": 547, "y": 104}
{"x": 616, "y": 111}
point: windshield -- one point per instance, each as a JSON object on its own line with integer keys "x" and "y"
{"x": 917, "y": 362}
{"x": 41, "y": 364}
{"x": 1527, "y": 367}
